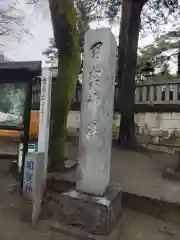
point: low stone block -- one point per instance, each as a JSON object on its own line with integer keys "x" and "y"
{"x": 171, "y": 174}
{"x": 96, "y": 215}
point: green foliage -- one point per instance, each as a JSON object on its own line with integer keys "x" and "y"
{"x": 51, "y": 53}
{"x": 84, "y": 17}
{"x": 156, "y": 53}
{"x": 155, "y": 12}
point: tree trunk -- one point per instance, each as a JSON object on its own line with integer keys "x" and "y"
{"x": 63, "y": 16}
{"x": 178, "y": 58}
{"x": 127, "y": 81}
{"x": 123, "y": 39}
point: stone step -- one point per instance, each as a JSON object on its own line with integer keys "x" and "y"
{"x": 157, "y": 211}
{"x": 6, "y": 155}
{"x": 61, "y": 182}
{"x": 160, "y": 209}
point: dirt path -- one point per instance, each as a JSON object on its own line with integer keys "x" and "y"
{"x": 136, "y": 226}
{"x": 11, "y": 225}
{"x": 141, "y": 227}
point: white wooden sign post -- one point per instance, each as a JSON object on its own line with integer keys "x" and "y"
{"x": 35, "y": 170}
{"x": 45, "y": 111}
{"x": 33, "y": 186}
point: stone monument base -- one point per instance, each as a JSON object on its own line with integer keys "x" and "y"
{"x": 95, "y": 215}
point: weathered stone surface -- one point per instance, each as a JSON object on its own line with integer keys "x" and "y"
{"x": 73, "y": 231}
{"x": 96, "y": 215}
{"x": 97, "y": 111}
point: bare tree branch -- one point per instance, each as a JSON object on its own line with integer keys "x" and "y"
{"x": 11, "y": 20}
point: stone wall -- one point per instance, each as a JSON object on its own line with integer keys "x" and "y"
{"x": 73, "y": 119}
{"x": 167, "y": 123}
{"x": 159, "y": 126}
{"x": 155, "y": 126}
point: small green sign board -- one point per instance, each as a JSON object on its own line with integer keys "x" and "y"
{"x": 32, "y": 147}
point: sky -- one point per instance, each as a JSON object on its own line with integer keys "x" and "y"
{"x": 39, "y": 25}
{"x": 36, "y": 41}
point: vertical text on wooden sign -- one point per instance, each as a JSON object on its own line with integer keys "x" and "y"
{"x": 45, "y": 108}
{"x": 43, "y": 98}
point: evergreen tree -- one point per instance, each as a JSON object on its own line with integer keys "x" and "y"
{"x": 164, "y": 49}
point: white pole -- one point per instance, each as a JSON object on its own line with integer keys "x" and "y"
{"x": 45, "y": 111}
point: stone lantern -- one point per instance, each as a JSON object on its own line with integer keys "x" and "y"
{"x": 147, "y": 70}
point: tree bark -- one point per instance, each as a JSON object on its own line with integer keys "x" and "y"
{"x": 178, "y": 58}
{"x": 127, "y": 76}
{"x": 123, "y": 39}
{"x": 63, "y": 16}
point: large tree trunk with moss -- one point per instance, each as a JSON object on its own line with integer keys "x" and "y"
{"x": 127, "y": 72}
{"x": 123, "y": 39}
{"x": 63, "y": 16}
{"x": 178, "y": 60}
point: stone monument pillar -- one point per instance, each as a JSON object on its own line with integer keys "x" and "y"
{"x": 97, "y": 111}
{"x": 94, "y": 205}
